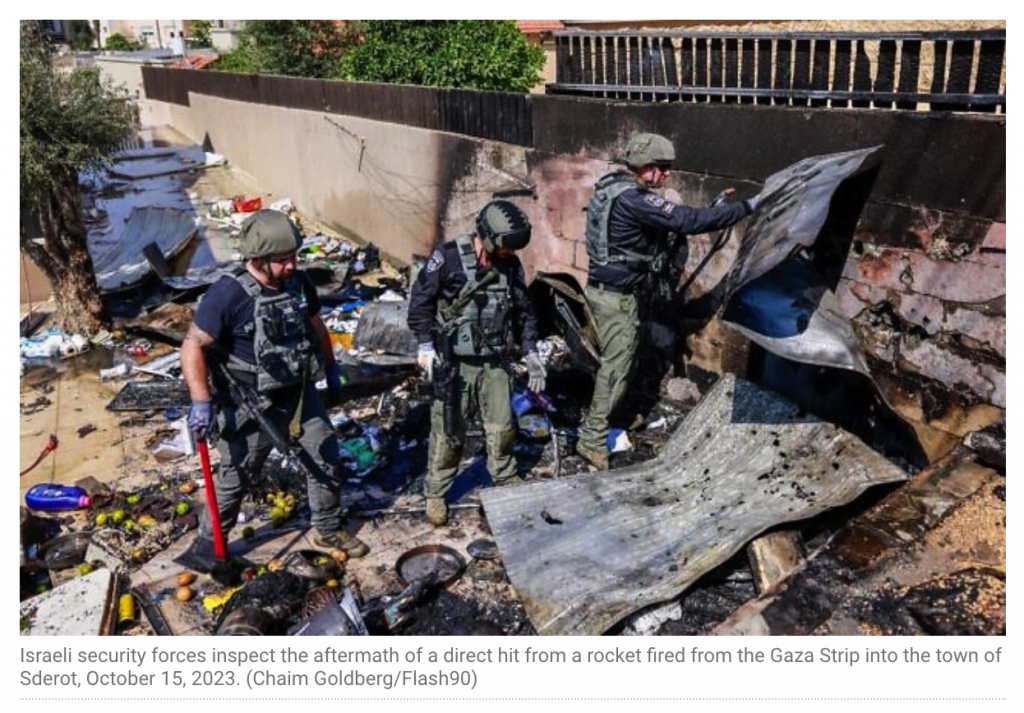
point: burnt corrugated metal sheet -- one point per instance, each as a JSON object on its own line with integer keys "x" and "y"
{"x": 584, "y": 552}
{"x": 122, "y": 265}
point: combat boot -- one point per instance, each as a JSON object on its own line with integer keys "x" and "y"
{"x": 597, "y": 457}
{"x": 200, "y": 556}
{"x": 437, "y": 512}
{"x": 341, "y": 540}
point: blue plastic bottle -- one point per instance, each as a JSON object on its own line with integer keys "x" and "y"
{"x": 51, "y": 496}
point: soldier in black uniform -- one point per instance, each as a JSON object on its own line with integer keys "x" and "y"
{"x": 628, "y": 225}
{"x": 483, "y": 269}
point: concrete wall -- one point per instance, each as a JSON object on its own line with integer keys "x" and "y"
{"x": 125, "y": 71}
{"x": 915, "y": 247}
{"x": 371, "y": 181}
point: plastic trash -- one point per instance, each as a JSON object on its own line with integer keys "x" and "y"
{"x": 66, "y": 551}
{"x": 53, "y": 497}
{"x": 535, "y": 425}
{"x": 618, "y": 441}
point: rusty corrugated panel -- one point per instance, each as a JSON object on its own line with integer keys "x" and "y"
{"x": 584, "y": 552}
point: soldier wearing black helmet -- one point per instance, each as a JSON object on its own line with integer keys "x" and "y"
{"x": 262, "y": 321}
{"x": 500, "y": 307}
{"x": 628, "y": 225}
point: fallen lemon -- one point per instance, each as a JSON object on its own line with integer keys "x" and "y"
{"x": 181, "y": 509}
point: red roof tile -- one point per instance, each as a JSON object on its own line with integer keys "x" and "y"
{"x": 529, "y": 27}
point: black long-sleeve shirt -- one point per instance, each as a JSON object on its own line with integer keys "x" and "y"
{"x": 640, "y": 222}
{"x": 443, "y": 278}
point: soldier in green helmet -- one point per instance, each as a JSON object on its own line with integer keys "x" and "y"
{"x": 628, "y": 226}
{"x": 478, "y": 276}
{"x": 262, "y": 323}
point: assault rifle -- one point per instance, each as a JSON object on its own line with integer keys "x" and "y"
{"x": 449, "y": 319}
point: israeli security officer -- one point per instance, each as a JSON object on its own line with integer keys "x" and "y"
{"x": 628, "y": 227}
{"x": 262, "y": 323}
{"x": 483, "y": 268}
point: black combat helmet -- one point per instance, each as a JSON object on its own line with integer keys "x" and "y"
{"x": 502, "y": 224}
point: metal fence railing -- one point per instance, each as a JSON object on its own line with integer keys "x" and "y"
{"x": 952, "y": 71}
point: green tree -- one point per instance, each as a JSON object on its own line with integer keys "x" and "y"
{"x": 119, "y": 43}
{"x": 295, "y": 48}
{"x": 200, "y": 34}
{"x": 69, "y": 123}
{"x": 477, "y": 54}
{"x": 80, "y": 35}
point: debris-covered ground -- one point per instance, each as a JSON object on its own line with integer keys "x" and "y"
{"x": 107, "y": 416}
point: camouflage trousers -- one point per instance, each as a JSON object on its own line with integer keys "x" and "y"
{"x": 483, "y": 387}
{"x": 617, "y": 320}
{"x": 244, "y": 449}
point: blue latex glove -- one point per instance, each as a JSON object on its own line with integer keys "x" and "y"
{"x": 200, "y": 416}
{"x": 334, "y": 382}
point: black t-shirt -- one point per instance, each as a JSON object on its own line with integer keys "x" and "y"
{"x": 226, "y": 313}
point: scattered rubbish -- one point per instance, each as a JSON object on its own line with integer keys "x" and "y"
{"x": 50, "y": 447}
{"x": 332, "y": 617}
{"x": 647, "y": 623}
{"x": 83, "y": 606}
{"x": 660, "y": 423}
{"x": 618, "y": 441}
{"x": 438, "y": 561}
{"x": 172, "y": 442}
{"x": 284, "y": 205}
{"x": 126, "y": 609}
{"x": 65, "y": 551}
{"x": 85, "y": 430}
{"x": 53, "y": 342}
{"x": 116, "y": 372}
{"x": 151, "y": 395}
{"x": 136, "y": 168}
{"x": 549, "y": 518}
{"x": 241, "y": 204}
{"x": 55, "y": 497}
{"x": 483, "y": 550}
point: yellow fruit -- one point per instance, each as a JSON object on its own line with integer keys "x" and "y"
{"x": 181, "y": 509}
{"x": 133, "y": 499}
{"x": 187, "y": 488}
{"x": 128, "y": 525}
{"x": 339, "y": 556}
{"x": 274, "y": 565}
{"x": 277, "y": 513}
{"x": 101, "y": 519}
{"x": 184, "y": 594}
{"x": 139, "y": 554}
{"x": 117, "y": 517}
{"x": 147, "y": 521}
{"x": 85, "y": 568}
{"x": 271, "y": 497}
{"x": 186, "y": 578}
{"x": 333, "y": 583}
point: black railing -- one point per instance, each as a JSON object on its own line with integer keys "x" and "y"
{"x": 951, "y": 71}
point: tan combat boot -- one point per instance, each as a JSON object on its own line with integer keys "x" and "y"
{"x": 341, "y": 540}
{"x": 595, "y": 456}
{"x": 437, "y": 512}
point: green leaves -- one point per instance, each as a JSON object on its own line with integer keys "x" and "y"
{"x": 294, "y": 48}
{"x": 70, "y": 122}
{"x": 477, "y": 54}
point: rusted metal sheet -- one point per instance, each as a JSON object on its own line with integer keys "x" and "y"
{"x": 122, "y": 265}
{"x": 585, "y": 552}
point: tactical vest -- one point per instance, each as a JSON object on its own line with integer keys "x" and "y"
{"x": 484, "y": 323}
{"x": 599, "y": 210}
{"x": 283, "y": 338}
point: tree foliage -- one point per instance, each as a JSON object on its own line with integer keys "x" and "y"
{"x": 200, "y": 36}
{"x": 70, "y": 122}
{"x": 295, "y": 48}
{"x": 119, "y": 43}
{"x": 80, "y": 35}
{"x": 478, "y": 54}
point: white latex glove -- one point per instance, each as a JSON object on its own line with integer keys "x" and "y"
{"x": 425, "y": 360}
{"x": 537, "y": 373}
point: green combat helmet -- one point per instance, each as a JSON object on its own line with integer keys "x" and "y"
{"x": 501, "y": 224}
{"x": 269, "y": 232}
{"x": 645, "y": 149}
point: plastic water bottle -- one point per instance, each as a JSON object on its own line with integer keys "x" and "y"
{"x": 52, "y": 496}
